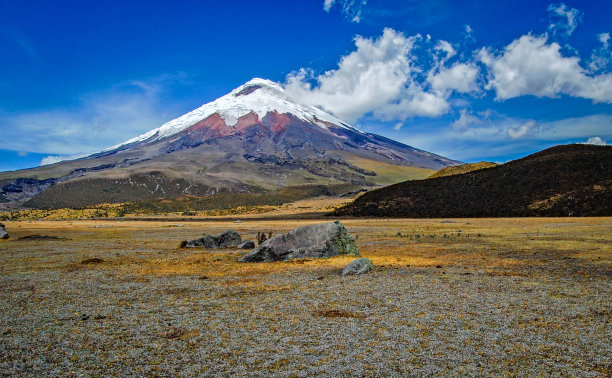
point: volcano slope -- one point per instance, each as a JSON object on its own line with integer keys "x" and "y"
{"x": 568, "y": 180}
{"x": 253, "y": 140}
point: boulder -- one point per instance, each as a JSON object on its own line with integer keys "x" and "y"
{"x": 358, "y": 266}
{"x": 228, "y": 238}
{"x": 247, "y": 244}
{"x": 3, "y": 233}
{"x": 316, "y": 241}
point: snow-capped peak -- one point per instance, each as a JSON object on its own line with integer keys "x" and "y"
{"x": 259, "y": 96}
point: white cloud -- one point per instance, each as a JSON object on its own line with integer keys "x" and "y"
{"x": 468, "y": 34}
{"x": 465, "y": 120}
{"x": 604, "y": 38}
{"x": 382, "y": 76}
{"x": 564, "y": 20}
{"x": 52, "y": 159}
{"x": 600, "y": 58}
{"x": 446, "y": 47}
{"x": 531, "y": 66}
{"x": 596, "y": 141}
{"x": 522, "y": 130}
{"x": 460, "y": 77}
{"x": 490, "y": 138}
{"x": 351, "y": 9}
{"x": 100, "y": 120}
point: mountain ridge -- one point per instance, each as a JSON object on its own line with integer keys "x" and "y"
{"x": 254, "y": 139}
{"x": 566, "y": 180}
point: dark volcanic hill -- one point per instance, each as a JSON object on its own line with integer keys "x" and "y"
{"x": 569, "y": 180}
{"x": 253, "y": 140}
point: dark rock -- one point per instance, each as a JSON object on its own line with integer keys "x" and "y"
{"x": 358, "y": 266}
{"x": 228, "y": 238}
{"x": 94, "y": 260}
{"x": 316, "y": 241}
{"x": 42, "y": 237}
{"x": 3, "y": 233}
{"x": 247, "y": 244}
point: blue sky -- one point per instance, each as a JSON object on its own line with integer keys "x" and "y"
{"x": 477, "y": 80}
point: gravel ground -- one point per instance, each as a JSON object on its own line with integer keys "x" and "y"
{"x": 59, "y": 317}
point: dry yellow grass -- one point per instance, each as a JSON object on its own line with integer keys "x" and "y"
{"x": 459, "y": 296}
{"x": 388, "y": 174}
{"x": 151, "y": 247}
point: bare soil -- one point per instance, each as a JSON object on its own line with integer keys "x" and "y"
{"x": 521, "y": 296}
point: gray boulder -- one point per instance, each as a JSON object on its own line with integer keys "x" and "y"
{"x": 359, "y": 266}
{"x": 247, "y": 244}
{"x": 228, "y": 238}
{"x": 316, "y": 241}
{"x": 3, "y": 233}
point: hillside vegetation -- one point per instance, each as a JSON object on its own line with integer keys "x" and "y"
{"x": 463, "y": 168}
{"x": 569, "y": 180}
{"x": 220, "y": 204}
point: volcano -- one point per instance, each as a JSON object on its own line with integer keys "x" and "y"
{"x": 254, "y": 139}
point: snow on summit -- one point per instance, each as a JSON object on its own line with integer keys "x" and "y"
{"x": 259, "y": 96}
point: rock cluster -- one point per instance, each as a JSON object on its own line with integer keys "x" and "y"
{"x": 316, "y": 241}
{"x": 228, "y": 238}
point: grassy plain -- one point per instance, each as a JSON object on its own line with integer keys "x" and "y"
{"x": 522, "y": 296}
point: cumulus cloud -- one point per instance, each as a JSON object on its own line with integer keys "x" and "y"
{"x": 522, "y": 130}
{"x": 382, "y": 77}
{"x": 100, "y": 120}
{"x": 596, "y": 141}
{"x": 532, "y": 66}
{"x": 563, "y": 19}
{"x": 460, "y": 77}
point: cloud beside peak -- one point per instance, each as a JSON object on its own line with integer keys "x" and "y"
{"x": 382, "y": 77}
{"x": 532, "y": 66}
{"x": 100, "y": 120}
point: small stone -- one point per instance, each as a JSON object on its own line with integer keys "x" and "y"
{"x": 247, "y": 244}
{"x": 3, "y": 233}
{"x": 358, "y": 266}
